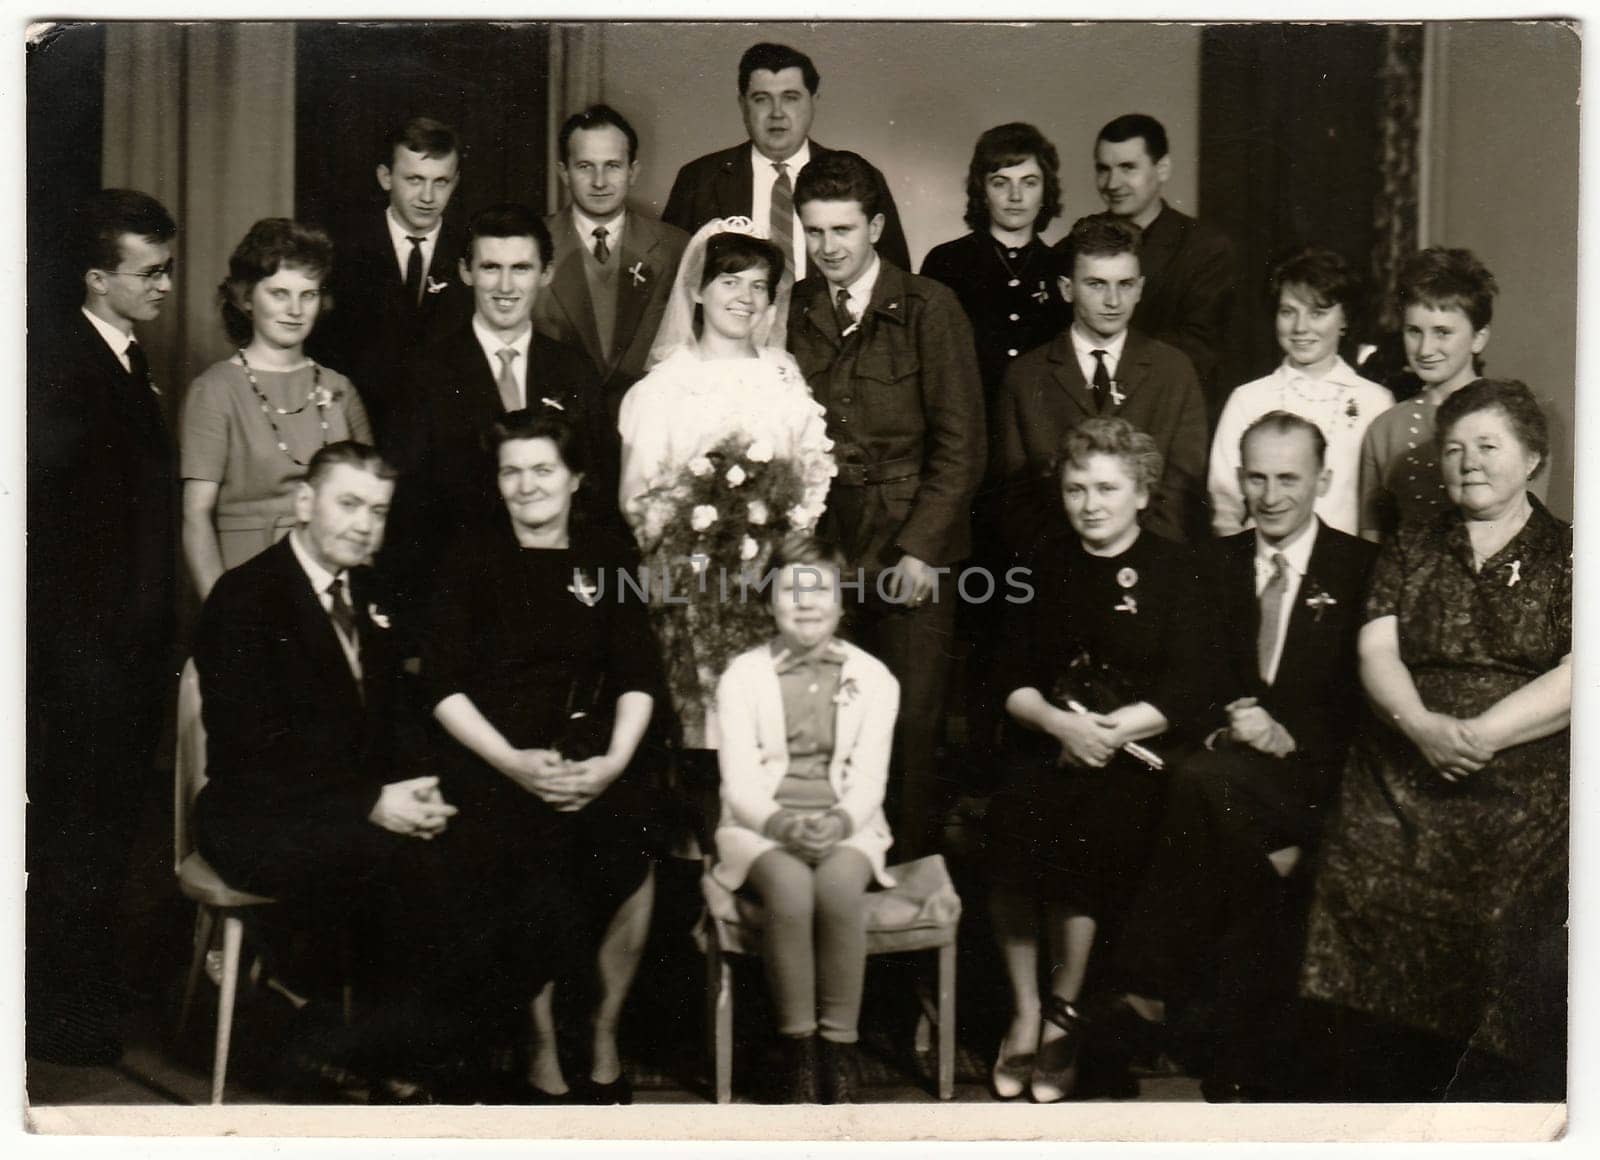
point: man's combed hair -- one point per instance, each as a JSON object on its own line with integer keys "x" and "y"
{"x": 1099, "y": 235}
{"x": 1000, "y": 148}
{"x": 840, "y": 176}
{"x": 775, "y": 58}
{"x": 432, "y": 139}
{"x": 510, "y": 219}
{"x": 596, "y": 117}
{"x": 1285, "y": 423}
{"x": 102, "y": 218}
{"x": 350, "y": 453}
{"x": 1131, "y": 125}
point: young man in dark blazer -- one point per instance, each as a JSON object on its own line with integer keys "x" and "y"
{"x": 890, "y": 355}
{"x": 102, "y": 527}
{"x": 1189, "y": 268}
{"x": 394, "y": 285}
{"x": 494, "y": 363}
{"x": 613, "y": 268}
{"x": 1099, "y": 365}
{"x": 778, "y": 99}
{"x": 1224, "y": 900}
{"x": 314, "y": 800}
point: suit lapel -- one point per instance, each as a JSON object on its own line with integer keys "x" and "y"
{"x": 137, "y": 402}
{"x": 1239, "y": 588}
{"x": 736, "y": 191}
{"x": 1159, "y": 243}
{"x": 329, "y": 666}
{"x": 1303, "y": 615}
{"x": 639, "y": 243}
{"x": 1133, "y": 372}
{"x": 571, "y": 290}
{"x": 1067, "y": 373}
{"x": 820, "y": 311}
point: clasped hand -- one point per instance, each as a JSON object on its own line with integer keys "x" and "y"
{"x": 807, "y": 836}
{"x": 414, "y": 808}
{"x": 1251, "y": 725}
{"x": 565, "y": 785}
{"x": 1089, "y": 739}
{"x": 1452, "y": 746}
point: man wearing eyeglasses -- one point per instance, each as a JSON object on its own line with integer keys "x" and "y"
{"x": 100, "y": 581}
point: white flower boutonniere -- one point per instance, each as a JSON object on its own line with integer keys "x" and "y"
{"x": 435, "y": 286}
{"x": 639, "y": 274}
{"x": 585, "y": 589}
{"x": 1319, "y": 603}
{"x": 378, "y": 617}
{"x": 848, "y": 692}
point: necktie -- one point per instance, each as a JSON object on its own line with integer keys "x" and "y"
{"x": 780, "y": 223}
{"x": 841, "y": 310}
{"x": 340, "y": 611}
{"x": 139, "y": 366}
{"x": 414, "y": 269}
{"x": 1102, "y": 379}
{"x": 1271, "y": 613}
{"x": 601, "y": 250}
{"x": 510, "y": 393}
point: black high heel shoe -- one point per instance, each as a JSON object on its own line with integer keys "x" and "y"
{"x": 1055, "y": 1066}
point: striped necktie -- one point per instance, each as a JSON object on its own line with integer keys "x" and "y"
{"x": 780, "y": 223}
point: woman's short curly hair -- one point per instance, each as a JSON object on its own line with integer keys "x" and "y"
{"x": 271, "y": 244}
{"x": 1114, "y": 437}
{"x": 1510, "y": 397}
{"x": 1002, "y": 147}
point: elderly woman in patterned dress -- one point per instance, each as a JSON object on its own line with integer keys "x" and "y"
{"x": 1438, "y": 924}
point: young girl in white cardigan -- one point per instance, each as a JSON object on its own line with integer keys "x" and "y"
{"x": 807, "y": 724}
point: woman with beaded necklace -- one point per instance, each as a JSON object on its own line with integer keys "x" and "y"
{"x": 252, "y": 422}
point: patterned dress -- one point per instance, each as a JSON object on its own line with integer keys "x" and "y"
{"x": 1440, "y": 905}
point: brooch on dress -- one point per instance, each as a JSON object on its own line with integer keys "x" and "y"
{"x": 1126, "y": 579}
{"x": 1319, "y": 603}
{"x": 586, "y": 590}
{"x": 1516, "y": 573}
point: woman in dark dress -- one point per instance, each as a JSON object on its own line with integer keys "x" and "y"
{"x": 1442, "y": 895}
{"x": 1119, "y": 629}
{"x": 530, "y": 628}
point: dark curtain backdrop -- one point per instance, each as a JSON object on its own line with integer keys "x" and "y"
{"x": 353, "y": 81}
{"x": 1289, "y": 132}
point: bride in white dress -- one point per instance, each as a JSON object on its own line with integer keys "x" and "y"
{"x": 718, "y": 369}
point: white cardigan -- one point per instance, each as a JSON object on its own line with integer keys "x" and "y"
{"x": 754, "y": 757}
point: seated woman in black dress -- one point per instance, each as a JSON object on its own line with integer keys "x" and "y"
{"x": 1108, "y": 660}
{"x": 529, "y": 628}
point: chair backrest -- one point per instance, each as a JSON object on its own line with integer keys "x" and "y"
{"x": 189, "y": 762}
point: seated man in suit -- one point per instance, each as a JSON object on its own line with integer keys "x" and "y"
{"x": 393, "y": 279}
{"x": 102, "y": 531}
{"x": 1099, "y": 365}
{"x": 1189, "y": 268}
{"x": 778, "y": 98}
{"x": 890, "y": 356}
{"x": 1222, "y": 903}
{"x": 308, "y": 802}
{"x": 494, "y": 363}
{"x": 613, "y": 269}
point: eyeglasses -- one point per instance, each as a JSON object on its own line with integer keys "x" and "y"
{"x": 153, "y": 274}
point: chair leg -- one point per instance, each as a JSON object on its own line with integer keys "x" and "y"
{"x": 232, "y": 939}
{"x": 719, "y": 1022}
{"x": 947, "y": 1020}
{"x": 204, "y": 921}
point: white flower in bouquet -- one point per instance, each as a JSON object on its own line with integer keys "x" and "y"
{"x": 700, "y": 466}
{"x": 801, "y": 517}
{"x": 703, "y": 516}
{"x": 760, "y": 451}
{"x": 735, "y": 476}
{"x": 748, "y": 548}
{"x": 757, "y": 510}
{"x": 699, "y": 562}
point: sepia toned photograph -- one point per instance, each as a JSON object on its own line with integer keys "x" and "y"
{"x": 672, "y": 579}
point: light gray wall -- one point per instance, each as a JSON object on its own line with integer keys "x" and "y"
{"x": 913, "y": 98}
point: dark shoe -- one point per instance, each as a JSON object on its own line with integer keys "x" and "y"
{"x": 1127, "y": 1037}
{"x": 521, "y": 1093}
{"x": 795, "y": 1073}
{"x": 618, "y": 1091}
{"x": 397, "y": 1091}
{"x": 307, "y": 1078}
{"x": 839, "y": 1072}
{"x": 1055, "y": 1066}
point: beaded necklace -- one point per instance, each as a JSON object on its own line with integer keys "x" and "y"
{"x": 320, "y": 398}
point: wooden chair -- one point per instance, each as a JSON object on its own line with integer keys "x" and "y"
{"x": 213, "y": 897}
{"x": 920, "y": 913}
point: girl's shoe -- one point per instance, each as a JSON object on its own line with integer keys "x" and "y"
{"x": 1055, "y": 1066}
{"x": 839, "y": 1072}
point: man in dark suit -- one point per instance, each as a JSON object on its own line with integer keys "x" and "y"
{"x": 613, "y": 267}
{"x": 102, "y": 511}
{"x": 890, "y": 355}
{"x": 307, "y": 801}
{"x": 494, "y": 363}
{"x": 394, "y": 285}
{"x": 1224, "y": 900}
{"x": 1099, "y": 366}
{"x": 778, "y": 99}
{"x": 1189, "y": 267}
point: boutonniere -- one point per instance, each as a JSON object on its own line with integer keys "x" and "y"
{"x": 378, "y": 617}
{"x": 1352, "y": 410}
{"x": 1516, "y": 573}
{"x": 551, "y": 403}
{"x": 1128, "y": 604}
{"x": 639, "y": 274}
{"x": 1117, "y": 397}
{"x": 848, "y": 692}
{"x": 851, "y": 329}
{"x": 1041, "y": 295}
{"x": 586, "y": 590}
{"x": 435, "y": 286}
{"x": 322, "y": 396}
{"x": 1319, "y": 603}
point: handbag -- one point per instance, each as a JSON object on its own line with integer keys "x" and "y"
{"x": 1087, "y": 684}
{"x": 587, "y": 721}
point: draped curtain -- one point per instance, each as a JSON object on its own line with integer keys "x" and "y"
{"x": 201, "y": 116}
{"x": 1396, "y": 209}
{"x": 577, "y": 66}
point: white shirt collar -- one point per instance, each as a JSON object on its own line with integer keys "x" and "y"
{"x": 319, "y": 576}
{"x": 1085, "y": 343}
{"x": 492, "y": 342}
{"x": 398, "y": 232}
{"x": 116, "y": 338}
{"x": 1296, "y": 554}
{"x": 762, "y": 165}
{"x": 1339, "y": 375}
{"x": 861, "y": 288}
{"x": 586, "y": 226}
